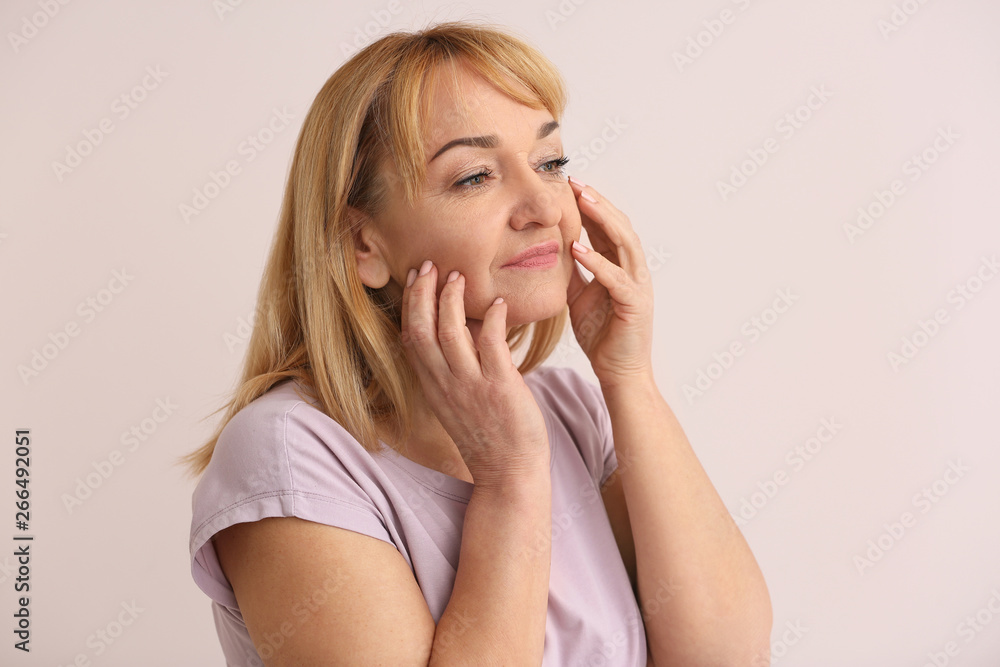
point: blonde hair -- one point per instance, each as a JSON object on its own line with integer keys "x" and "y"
{"x": 316, "y": 321}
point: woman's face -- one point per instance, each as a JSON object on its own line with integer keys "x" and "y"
{"x": 487, "y": 198}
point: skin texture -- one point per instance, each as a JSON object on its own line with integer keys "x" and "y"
{"x": 476, "y": 226}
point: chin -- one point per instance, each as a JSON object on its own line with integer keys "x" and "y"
{"x": 535, "y": 310}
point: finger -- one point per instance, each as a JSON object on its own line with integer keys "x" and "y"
{"x": 614, "y": 278}
{"x": 454, "y": 337}
{"x": 609, "y": 230}
{"x": 426, "y": 353}
{"x": 605, "y": 238}
{"x": 405, "y": 305}
{"x": 494, "y": 353}
{"x": 404, "y": 302}
{"x": 577, "y": 283}
{"x": 590, "y": 195}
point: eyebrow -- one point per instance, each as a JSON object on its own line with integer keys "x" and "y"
{"x": 491, "y": 140}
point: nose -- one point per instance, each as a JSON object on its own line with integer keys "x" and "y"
{"x": 534, "y": 200}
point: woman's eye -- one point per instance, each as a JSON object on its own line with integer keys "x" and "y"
{"x": 556, "y": 165}
{"x": 479, "y": 180}
{"x": 476, "y": 180}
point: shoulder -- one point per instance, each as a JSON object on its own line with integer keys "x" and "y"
{"x": 254, "y": 445}
{"x": 578, "y": 406}
{"x": 567, "y": 392}
{"x": 282, "y": 441}
{"x": 282, "y": 456}
{"x": 261, "y": 424}
{"x": 269, "y": 414}
{"x": 556, "y": 380}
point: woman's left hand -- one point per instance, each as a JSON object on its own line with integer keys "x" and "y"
{"x": 612, "y": 315}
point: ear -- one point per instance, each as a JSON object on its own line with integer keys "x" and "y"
{"x": 372, "y": 266}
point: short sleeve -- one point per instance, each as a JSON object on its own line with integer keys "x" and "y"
{"x": 598, "y": 409}
{"x": 582, "y": 408}
{"x": 602, "y": 419}
{"x": 280, "y": 457}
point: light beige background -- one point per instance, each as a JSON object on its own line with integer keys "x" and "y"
{"x": 660, "y": 137}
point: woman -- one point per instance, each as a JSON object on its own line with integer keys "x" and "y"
{"x": 387, "y": 487}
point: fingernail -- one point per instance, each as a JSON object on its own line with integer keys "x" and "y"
{"x": 579, "y": 247}
{"x": 452, "y": 276}
{"x": 425, "y": 267}
{"x": 578, "y": 182}
{"x": 410, "y": 277}
{"x": 498, "y": 300}
{"x": 586, "y": 195}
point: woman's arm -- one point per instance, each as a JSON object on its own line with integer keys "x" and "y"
{"x": 718, "y": 611}
{"x": 313, "y": 594}
{"x": 497, "y": 611}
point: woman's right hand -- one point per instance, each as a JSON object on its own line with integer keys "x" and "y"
{"x": 478, "y": 395}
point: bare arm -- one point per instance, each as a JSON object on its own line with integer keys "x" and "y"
{"x": 316, "y": 594}
{"x": 692, "y": 564}
{"x": 703, "y": 597}
{"x": 496, "y": 615}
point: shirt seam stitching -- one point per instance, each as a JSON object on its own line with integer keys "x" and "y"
{"x": 427, "y": 485}
{"x": 293, "y": 492}
{"x": 284, "y": 446}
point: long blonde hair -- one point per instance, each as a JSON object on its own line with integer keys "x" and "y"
{"x": 315, "y": 320}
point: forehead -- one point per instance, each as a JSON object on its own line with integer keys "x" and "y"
{"x": 466, "y": 104}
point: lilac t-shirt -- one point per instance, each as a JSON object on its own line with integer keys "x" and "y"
{"x": 281, "y": 456}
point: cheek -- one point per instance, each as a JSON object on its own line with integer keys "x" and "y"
{"x": 451, "y": 243}
{"x": 479, "y": 296}
{"x": 570, "y": 210}
{"x": 573, "y": 222}
{"x": 571, "y": 229}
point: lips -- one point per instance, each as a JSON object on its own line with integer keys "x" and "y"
{"x": 534, "y": 251}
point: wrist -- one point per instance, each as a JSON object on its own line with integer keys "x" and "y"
{"x": 640, "y": 382}
{"x": 525, "y": 480}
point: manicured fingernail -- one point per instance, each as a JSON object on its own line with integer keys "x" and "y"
{"x": 425, "y": 267}
{"x": 498, "y": 300}
{"x": 579, "y": 247}
{"x": 586, "y": 195}
{"x": 578, "y": 182}
{"x": 410, "y": 277}
{"x": 452, "y": 276}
